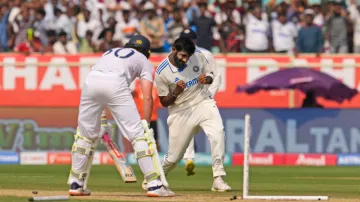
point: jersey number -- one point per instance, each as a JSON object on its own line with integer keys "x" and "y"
{"x": 116, "y": 53}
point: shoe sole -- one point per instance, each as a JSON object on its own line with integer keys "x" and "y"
{"x": 189, "y": 168}
{"x": 78, "y": 194}
{"x": 218, "y": 190}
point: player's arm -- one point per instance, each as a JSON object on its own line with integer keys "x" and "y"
{"x": 146, "y": 87}
{"x": 171, "y": 97}
{"x": 146, "y": 82}
{"x": 166, "y": 96}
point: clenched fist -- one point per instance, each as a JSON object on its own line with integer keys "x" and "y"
{"x": 203, "y": 79}
{"x": 180, "y": 86}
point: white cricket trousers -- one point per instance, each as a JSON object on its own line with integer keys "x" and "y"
{"x": 109, "y": 90}
{"x": 185, "y": 124}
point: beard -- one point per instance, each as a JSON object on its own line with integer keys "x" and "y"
{"x": 179, "y": 63}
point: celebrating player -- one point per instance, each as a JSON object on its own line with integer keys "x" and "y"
{"x": 213, "y": 88}
{"x": 182, "y": 79}
{"x": 107, "y": 85}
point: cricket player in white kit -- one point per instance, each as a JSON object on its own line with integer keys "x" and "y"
{"x": 182, "y": 81}
{"x": 213, "y": 88}
{"x": 107, "y": 85}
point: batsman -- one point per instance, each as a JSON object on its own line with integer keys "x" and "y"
{"x": 107, "y": 85}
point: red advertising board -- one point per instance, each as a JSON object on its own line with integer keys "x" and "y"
{"x": 59, "y": 158}
{"x": 55, "y": 80}
{"x": 276, "y": 159}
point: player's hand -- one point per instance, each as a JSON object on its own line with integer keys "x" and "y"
{"x": 203, "y": 79}
{"x": 180, "y": 86}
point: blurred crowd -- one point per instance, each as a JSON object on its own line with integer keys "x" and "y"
{"x": 226, "y": 26}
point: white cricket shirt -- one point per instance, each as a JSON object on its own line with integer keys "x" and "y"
{"x": 125, "y": 62}
{"x": 167, "y": 75}
{"x": 283, "y": 35}
{"x": 257, "y": 33}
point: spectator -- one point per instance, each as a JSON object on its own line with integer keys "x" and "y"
{"x": 84, "y": 23}
{"x": 229, "y": 35}
{"x": 24, "y": 22}
{"x": 284, "y": 33}
{"x": 86, "y": 44}
{"x": 152, "y": 26}
{"x": 4, "y": 16}
{"x": 62, "y": 22}
{"x": 52, "y": 38}
{"x": 257, "y": 32}
{"x": 319, "y": 17}
{"x": 355, "y": 18}
{"x": 204, "y": 25}
{"x": 310, "y": 38}
{"x": 228, "y": 12}
{"x": 108, "y": 42}
{"x": 271, "y": 7}
{"x": 14, "y": 12}
{"x": 176, "y": 26}
{"x": 167, "y": 20}
{"x": 127, "y": 27}
{"x": 40, "y": 26}
{"x": 50, "y": 7}
{"x": 63, "y": 45}
{"x": 192, "y": 12}
{"x": 336, "y": 29}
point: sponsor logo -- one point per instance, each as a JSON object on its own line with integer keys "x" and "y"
{"x": 267, "y": 159}
{"x": 106, "y": 158}
{"x": 9, "y": 158}
{"x": 33, "y": 158}
{"x": 311, "y": 161}
{"x": 59, "y": 158}
{"x": 351, "y": 159}
{"x": 192, "y": 82}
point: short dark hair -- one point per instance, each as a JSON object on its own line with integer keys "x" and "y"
{"x": 41, "y": 12}
{"x": 184, "y": 44}
{"x": 282, "y": 14}
{"x": 62, "y": 33}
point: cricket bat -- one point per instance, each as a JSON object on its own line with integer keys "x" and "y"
{"x": 125, "y": 170}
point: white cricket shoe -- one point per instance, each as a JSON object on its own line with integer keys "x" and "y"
{"x": 190, "y": 167}
{"x": 77, "y": 190}
{"x": 219, "y": 185}
{"x": 159, "y": 191}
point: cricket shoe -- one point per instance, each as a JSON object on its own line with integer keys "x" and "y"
{"x": 219, "y": 185}
{"x": 159, "y": 191}
{"x": 190, "y": 167}
{"x": 77, "y": 190}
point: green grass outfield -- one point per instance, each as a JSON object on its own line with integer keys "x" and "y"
{"x": 339, "y": 183}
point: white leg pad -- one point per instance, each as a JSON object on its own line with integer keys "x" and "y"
{"x": 82, "y": 154}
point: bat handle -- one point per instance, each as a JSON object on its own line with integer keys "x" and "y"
{"x": 106, "y": 137}
{"x": 103, "y": 118}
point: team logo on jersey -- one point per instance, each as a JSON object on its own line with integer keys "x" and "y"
{"x": 176, "y": 79}
{"x": 138, "y": 41}
{"x": 196, "y": 68}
